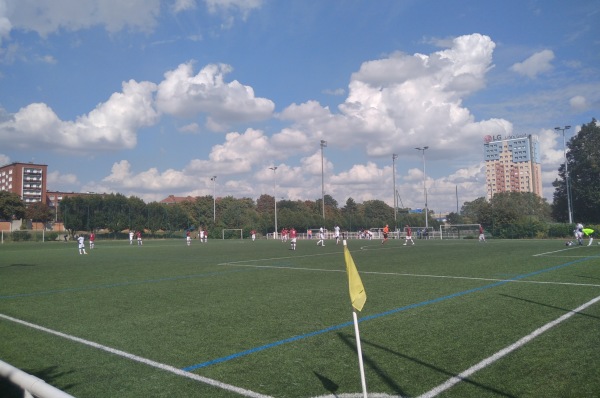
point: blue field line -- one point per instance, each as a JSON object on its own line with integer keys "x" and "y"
{"x": 119, "y": 284}
{"x": 375, "y": 316}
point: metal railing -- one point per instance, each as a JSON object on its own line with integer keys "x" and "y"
{"x": 32, "y": 386}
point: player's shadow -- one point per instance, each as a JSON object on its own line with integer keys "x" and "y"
{"x": 328, "y": 384}
{"x": 18, "y": 265}
{"x": 349, "y": 340}
{"x": 49, "y": 375}
{"x": 548, "y": 305}
{"x": 587, "y": 277}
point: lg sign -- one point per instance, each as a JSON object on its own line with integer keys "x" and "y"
{"x": 489, "y": 138}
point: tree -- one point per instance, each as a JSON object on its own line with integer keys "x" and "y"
{"x": 476, "y": 212}
{"x": 509, "y": 214}
{"x": 583, "y": 160}
{"x": 38, "y": 212}
{"x": 454, "y": 218}
{"x": 11, "y": 206}
{"x": 377, "y": 213}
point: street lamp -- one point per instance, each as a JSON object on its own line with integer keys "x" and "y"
{"x": 214, "y": 180}
{"x": 275, "y": 198}
{"x": 394, "y": 157}
{"x": 323, "y": 145}
{"x": 566, "y": 172}
{"x": 424, "y": 187}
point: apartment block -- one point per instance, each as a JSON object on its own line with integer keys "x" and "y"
{"x": 512, "y": 164}
{"x": 28, "y": 180}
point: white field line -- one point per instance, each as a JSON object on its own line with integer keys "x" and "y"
{"x": 505, "y": 351}
{"x": 136, "y": 358}
{"x": 562, "y": 250}
{"x": 238, "y": 264}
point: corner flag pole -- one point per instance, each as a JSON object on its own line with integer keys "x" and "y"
{"x": 363, "y": 381}
{"x": 358, "y": 297}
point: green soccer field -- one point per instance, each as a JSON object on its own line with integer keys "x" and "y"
{"x": 450, "y": 318}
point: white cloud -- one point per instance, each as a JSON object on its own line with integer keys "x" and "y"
{"x": 56, "y": 181}
{"x": 578, "y": 103}
{"x": 538, "y": 63}
{"x": 403, "y": 101}
{"x": 335, "y": 92}
{"x": 46, "y": 17}
{"x": 184, "y": 94}
{"x": 190, "y": 128}
{"x": 111, "y": 125}
{"x": 183, "y": 5}
{"x": 227, "y": 6}
{"x": 4, "y": 159}
{"x": 5, "y": 25}
{"x": 122, "y": 179}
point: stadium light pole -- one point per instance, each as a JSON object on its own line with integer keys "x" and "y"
{"x": 394, "y": 157}
{"x": 323, "y": 145}
{"x": 424, "y": 187}
{"x": 274, "y": 168}
{"x": 566, "y": 172}
{"x": 214, "y": 180}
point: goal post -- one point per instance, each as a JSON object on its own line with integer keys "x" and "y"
{"x": 459, "y": 231}
{"x": 233, "y": 233}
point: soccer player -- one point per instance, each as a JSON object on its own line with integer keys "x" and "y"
{"x": 92, "y": 239}
{"x": 81, "y": 242}
{"x": 408, "y": 236}
{"x": 139, "y": 238}
{"x": 336, "y": 233}
{"x": 293, "y": 236}
{"x": 481, "y": 234}
{"x": 131, "y": 237}
{"x": 253, "y": 235}
{"x": 321, "y": 237}
{"x": 188, "y": 238}
{"x": 579, "y": 233}
{"x": 201, "y": 235}
{"x": 589, "y": 232}
{"x": 386, "y": 231}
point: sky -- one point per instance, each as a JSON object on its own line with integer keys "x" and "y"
{"x": 153, "y": 98}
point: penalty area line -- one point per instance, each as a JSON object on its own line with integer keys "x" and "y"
{"x": 505, "y": 351}
{"x": 145, "y": 361}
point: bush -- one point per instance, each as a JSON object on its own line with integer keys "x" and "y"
{"x": 21, "y": 236}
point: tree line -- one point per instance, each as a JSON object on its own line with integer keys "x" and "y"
{"x": 508, "y": 214}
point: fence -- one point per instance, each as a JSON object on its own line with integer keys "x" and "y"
{"x": 31, "y": 385}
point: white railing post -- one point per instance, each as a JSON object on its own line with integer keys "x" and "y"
{"x": 31, "y": 385}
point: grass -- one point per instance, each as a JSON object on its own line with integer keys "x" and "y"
{"x": 257, "y": 318}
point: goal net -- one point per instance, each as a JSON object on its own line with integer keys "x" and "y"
{"x": 233, "y": 233}
{"x": 459, "y": 231}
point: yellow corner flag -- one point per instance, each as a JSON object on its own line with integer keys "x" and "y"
{"x": 358, "y": 296}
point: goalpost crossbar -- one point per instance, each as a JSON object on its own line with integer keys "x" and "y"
{"x": 232, "y": 232}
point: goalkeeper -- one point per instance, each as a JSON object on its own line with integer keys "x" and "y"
{"x": 589, "y": 232}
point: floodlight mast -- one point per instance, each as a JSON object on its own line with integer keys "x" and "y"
{"x": 214, "y": 180}
{"x": 394, "y": 157}
{"x": 568, "y": 187}
{"x": 323, "y": 145}
{"x": 274, "y": 168}
{"x": 423, "y": 149}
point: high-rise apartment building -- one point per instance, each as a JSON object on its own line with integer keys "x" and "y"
{"x": 512, "y": 164}
{"x": 28, "y": 180}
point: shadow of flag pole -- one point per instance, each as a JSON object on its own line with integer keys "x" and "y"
{"x": 358, "y": 297}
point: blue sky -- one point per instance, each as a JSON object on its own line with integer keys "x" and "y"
{"x": 152, "y": 98}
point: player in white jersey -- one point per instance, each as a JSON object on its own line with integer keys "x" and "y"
{"x": 81, "y": 242}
